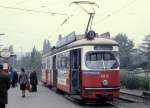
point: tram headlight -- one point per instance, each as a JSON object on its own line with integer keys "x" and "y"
{"x": 105, "y": 82}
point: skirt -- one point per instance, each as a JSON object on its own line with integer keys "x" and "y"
{"x": 22, "y": 86}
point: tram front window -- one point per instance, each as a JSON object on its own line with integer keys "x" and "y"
{"x": 101, "y": 60}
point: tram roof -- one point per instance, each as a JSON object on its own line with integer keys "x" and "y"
{"x": 83, "y": 42}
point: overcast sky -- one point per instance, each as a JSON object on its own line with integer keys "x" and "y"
{"x": 26, "y": 29}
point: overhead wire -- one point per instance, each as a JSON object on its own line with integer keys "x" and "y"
{"x": 31, "y": 10}
{"x": 116, "y": 11}
{"x": 69, "y": 16}
{"x": 19, "y": 2}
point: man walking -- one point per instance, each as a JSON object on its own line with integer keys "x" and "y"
{"x": 4, "y": 86}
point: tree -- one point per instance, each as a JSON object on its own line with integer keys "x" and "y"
{"x": 125, "y": 47}
{"x": 145, "y": 47}
{"x": 35, "y": 60}
{"x": 30, "y": 61}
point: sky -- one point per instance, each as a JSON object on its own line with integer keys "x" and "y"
{"x": 25, "y": 29}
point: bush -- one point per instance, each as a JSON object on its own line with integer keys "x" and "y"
{"x": 131, "y": 81}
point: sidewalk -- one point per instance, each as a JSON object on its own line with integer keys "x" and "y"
{"x": 133, "y": 92}
{"x": 44, "y": 98}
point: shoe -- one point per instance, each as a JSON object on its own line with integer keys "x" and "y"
{"x": 23, "y": 96}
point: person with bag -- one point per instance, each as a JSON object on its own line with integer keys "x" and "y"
{"x": 33, "y": 81}
{"x": 4, "y": 86}
{"x": 23, "y": 81}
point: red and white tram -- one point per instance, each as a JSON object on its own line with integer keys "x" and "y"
{"x": 87, "y": 68}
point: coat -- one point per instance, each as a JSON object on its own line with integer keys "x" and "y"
{"x": 23, "y": 78}
{"x": 4, "y": 86}
{"x": 33, "y": 78}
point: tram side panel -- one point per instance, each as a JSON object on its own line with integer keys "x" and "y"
{"x": 51, "y": 71}
{"x": 49, "y": 65}
{"x": 43, "y": 75}
{"x": 63, "y": 70}
{"x": 45, "y": 71}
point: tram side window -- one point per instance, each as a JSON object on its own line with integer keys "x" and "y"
{"x": 63, "y": 60}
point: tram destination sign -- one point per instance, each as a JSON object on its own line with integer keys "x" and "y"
{"x": 103, "y": 47}
{"x": 66, "y": 40}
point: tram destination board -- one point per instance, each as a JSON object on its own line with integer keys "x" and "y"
{"x": 103, "y": 47}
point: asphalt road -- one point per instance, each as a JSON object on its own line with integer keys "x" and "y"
{"x": 46, "y": 98}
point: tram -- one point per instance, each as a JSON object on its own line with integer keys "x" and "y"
{"x": 83, "y": 66}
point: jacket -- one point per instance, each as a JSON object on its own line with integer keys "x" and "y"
{"x": 4, "y": 86}
{"x": 23, "y": 78}
{"x": 33, "y": 78}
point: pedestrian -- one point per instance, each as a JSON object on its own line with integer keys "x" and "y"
{"x": 33, "y": 81}
{"x": 4, "y": 86}
{"x": 23, "y": 81}
{"x": 14, "y": 78}
{"x": 11, "y": 76}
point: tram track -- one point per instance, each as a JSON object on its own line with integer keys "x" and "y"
{"x": 120, "y": 102}
{"x": 115, "y": 105}
{"x": 92, "y": 104}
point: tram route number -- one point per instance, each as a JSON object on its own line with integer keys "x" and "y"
{"x": 104, "y": 76}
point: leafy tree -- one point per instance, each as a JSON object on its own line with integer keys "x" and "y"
{"x": 31, "y": 61}
{"x": 125, "y": 47}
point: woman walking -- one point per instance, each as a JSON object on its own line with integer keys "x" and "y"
{"x": 23, "y": 80}
{"x": 33, "y": 81}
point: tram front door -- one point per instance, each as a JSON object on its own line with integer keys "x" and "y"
{"x": 75, "y": 61}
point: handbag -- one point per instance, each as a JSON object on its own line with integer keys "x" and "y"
{"x": 28, "y": 87}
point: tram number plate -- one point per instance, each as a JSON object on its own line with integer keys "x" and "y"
{"x": 104, "y": 76}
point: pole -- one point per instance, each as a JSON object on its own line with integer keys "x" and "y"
{"x": 89, "y": 22}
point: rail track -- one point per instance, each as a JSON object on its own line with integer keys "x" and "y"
{"x": 94, "y": 103}
{"x": 125, "y": 98}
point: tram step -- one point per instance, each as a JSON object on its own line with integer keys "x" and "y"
{"x": 146, "y": 94}
{"x": 127, "y": 99}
